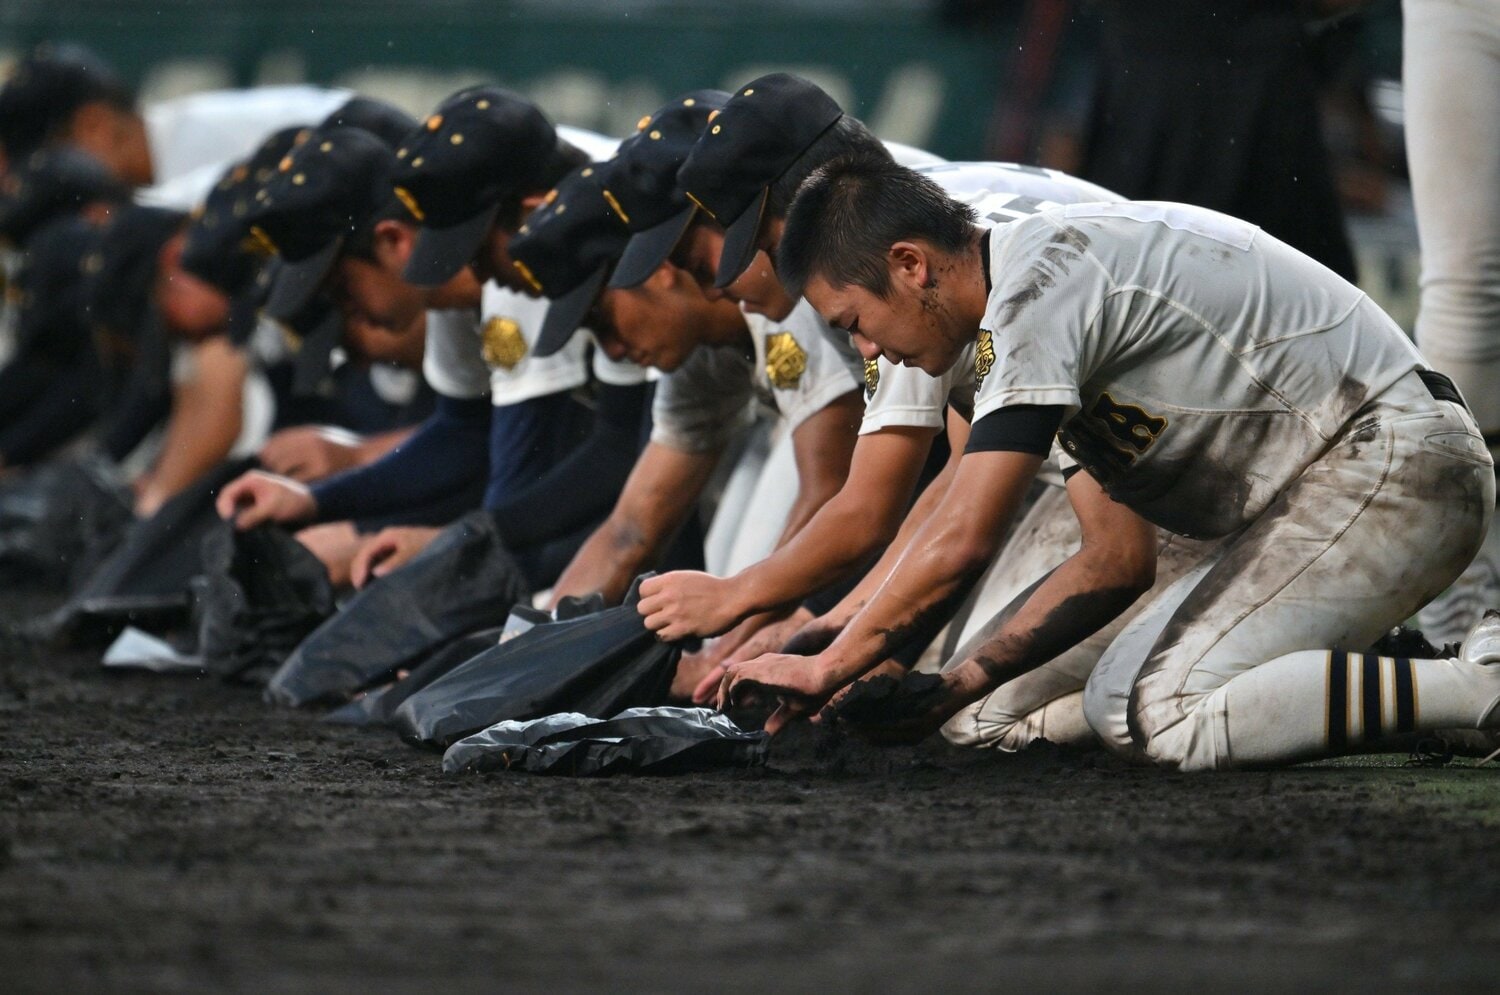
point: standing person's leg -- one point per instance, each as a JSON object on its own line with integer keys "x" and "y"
{"x": 1451, "y": 74}
{"x": 1238, "y": 664}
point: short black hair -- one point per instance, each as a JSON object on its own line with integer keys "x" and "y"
{"x": 851, "y": 211}
{"x": 846, "y": 137}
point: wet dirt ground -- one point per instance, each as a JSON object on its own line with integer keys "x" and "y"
{"x": 175, "y": 834}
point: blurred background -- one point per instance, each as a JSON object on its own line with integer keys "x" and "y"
{"x": 968, "y": 79}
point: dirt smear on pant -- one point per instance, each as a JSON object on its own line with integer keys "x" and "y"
{"x": 177, "y": 834}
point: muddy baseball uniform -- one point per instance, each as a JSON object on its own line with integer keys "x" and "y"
{"x": 1221, "y": 384}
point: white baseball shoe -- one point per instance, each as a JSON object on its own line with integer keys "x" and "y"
{"x": 1482, "y": 644}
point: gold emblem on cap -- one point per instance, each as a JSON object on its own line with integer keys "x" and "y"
{"x": 655, "y": 135}
{"x": 984, "y": 356}
{"x": 785, "y": 360}
{"x": 872, "y": 377}
{"x": 417, "y": 163}
{"x": 401, "y": 153}
{"x": 302, "y": 136}
{"x": 587, "y": 171}
{"x": 240, "y": 172}
{"x": 748, "y": 92}
{"x": 713, "y": 113}
{"x": 702, "y": 206}
{"x": 435, "y": 122}
{"x": 456, "y": 139}
{"x": 410, "y": 203}
{"x": 614, "y": 205}
{"x": 641, "y": 124}
{"x": 551, "y": 196}
{"x": 326, "y": 147}
{"x": 299, "y": 179}
{"x": 717, "y": 128}
{"x": 689, "y": 102}
{"x": 285, "y": 164}
{"x": 483, "y": 105}
{"x": 527, "y": 275}
{"x": 504, "y": 345}
{"x": 263, "y": 240}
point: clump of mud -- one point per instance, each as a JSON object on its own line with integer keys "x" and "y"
{"x": 885, "y": 699}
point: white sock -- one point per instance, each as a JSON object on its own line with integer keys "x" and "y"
{"x": 1317, "y": 703}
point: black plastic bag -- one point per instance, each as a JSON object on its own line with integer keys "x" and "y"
{"x": 145, "y": 582}
{"x": 464, "y": 581}
{"x": 60, "y": 521}
{"x": 638, "y": 740}
{"x": 374, "y": 709}
{"x": 597, "y": 665}
{"x": 262, "y": 592}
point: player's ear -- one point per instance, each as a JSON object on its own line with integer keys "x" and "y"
{"x": 392, "y": 239}
{"x": 908, "y": 264}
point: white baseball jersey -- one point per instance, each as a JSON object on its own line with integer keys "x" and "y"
{"x": 901, "y": 397}
{"x": 1202, "y": 363}
{"x": 469, "y": 356}
{"x": 797, "y": 366}
{"x": 194, "y": 138}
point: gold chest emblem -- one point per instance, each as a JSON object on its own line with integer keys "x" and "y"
{"x": 785, "y": 360}
{"x": 872, "y": 377}
{"x": 504, "y": 345}
{"x": 984, "y": 357}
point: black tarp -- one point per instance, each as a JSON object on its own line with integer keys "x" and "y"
{"x": 145, "y": 582}
{"x": 463, "y": 582}
{"x": 61, "y": 520}
{"x": 260, "y": 595}
{"x": 638, "y": 740}
{"x": 597, "y": 665}
{"x": 375, "y": 708}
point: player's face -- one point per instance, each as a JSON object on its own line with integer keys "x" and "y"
{"x": 897, "y": 326}
{"x": 493, "y": 262}
{"x": 374, "y": 293}
{"x": 189, "y": 307}
{"x": 661, "y": 322}
{"x": 757, "y": 288}
{"x": 379, "y": 345}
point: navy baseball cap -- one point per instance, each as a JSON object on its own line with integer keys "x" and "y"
{"x": 49, "y": 307}
{"x": 324, "y": 191}
{"x": 121, "y": 265}
{"x": 45, "y": 89}
{"x": 49, "y": 183}
{"x": 481, "y": 146}
{"x": 386, "y": 122}
{"x": 643, "y": 182}
{"x": 760, "y": 133}
{"x": 566, "y": 250}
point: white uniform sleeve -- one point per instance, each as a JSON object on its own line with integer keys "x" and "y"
{"x": 902, "y": 397}
{"x": 622, "y": 373}
{"x": 699, "y": 406}
{"x": 452, "y": 363}
{"x": 803, "y": 363}
{"x": 1047, "y": 292}
{"x": 509, "y": 326}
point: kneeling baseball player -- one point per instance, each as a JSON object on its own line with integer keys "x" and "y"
{"x": 1203, "y": 377}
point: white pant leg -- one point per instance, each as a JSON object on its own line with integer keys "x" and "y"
{"x": 1229, "y": 666}
{"x": 734, "y": 498}
{"x": 762, "y": 519}
{"x": 1451, "y": 75}
{"x": 1045, "y": 703}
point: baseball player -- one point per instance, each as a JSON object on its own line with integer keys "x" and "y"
{"x": 1201, "y": 377}
{"x": 715, "y": 358}
{"x": 176, "y": 149}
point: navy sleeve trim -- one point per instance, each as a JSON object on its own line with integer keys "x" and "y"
{"x": 1019, "y": 428}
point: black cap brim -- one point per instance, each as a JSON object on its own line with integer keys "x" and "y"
{"x": 739, "y": 242}
{"x": 295, "y": 282}
{"x": 439, "y": 254}
{"x": 649, "y": 249}
{"x": 566, "y": 313}
{"x": 314, "y": 356}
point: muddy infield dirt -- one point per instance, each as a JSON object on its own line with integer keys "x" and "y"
{"x": 176, "y": 834}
